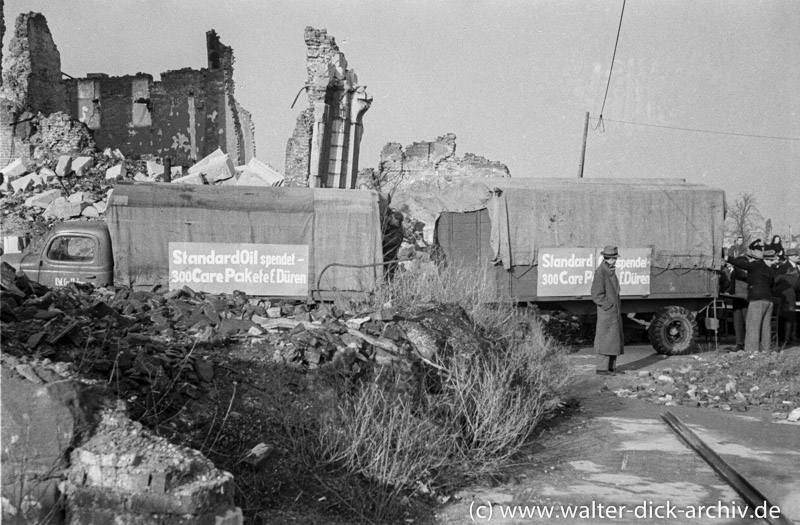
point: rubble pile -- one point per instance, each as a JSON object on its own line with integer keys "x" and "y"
{"x": 77, "y": 187}
{"x": 725, "y": 381}
{"x": 146, "y": 341}
{"x": 173, "y": 358}
{"x": 125, "y": 473}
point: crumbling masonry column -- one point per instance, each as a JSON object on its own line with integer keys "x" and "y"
{"x": 324, "y": 149}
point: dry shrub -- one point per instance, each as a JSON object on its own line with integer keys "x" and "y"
{"x": 487, "y": 406}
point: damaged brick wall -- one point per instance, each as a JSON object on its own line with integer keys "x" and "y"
{"x": 32, "y": 67}
{"x": 401, "y": 167}
{"x": 324, "y": 148}
{"x": 413, "y": 173}
{"x": 31, "y": 84}
{"x": 187, "y": 115}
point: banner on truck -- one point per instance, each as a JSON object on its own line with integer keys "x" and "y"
{"x": 256, "y": 269}
{"x": 568, "y": 272}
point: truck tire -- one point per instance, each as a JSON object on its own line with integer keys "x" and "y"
{"x": 673, "y": 331}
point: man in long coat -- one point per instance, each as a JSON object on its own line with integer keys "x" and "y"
{"x": 787, "y": 288}
{"x": 608, "y": 339}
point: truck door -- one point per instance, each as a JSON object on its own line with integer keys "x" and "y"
{"x": 72, "y": 257}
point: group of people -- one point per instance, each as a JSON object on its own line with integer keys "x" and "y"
{"x": 762, "y": 277}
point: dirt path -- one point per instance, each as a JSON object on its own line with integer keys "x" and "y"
{"x": 617, "y": 452}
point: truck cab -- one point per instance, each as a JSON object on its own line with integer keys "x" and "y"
{"x": 73, "y": 252}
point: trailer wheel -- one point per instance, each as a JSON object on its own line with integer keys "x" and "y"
{"x": 673, "y": 331}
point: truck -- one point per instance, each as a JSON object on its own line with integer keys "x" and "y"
{"x": 538, "y": 240}
{"x": 266, "y": 241}
{"x": 530, "y": 240}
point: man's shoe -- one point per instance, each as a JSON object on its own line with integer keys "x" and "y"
{"x": 604, "y": 372}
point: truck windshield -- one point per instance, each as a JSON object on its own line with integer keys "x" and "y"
{"x": 71, "y": 249}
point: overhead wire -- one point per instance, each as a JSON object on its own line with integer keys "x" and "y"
{"x": 611, "y": 69}
{"x": 696, "y": 130}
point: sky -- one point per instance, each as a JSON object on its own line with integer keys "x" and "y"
{"x": 703, "y": 91}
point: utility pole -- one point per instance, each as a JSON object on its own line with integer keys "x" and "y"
{"x": 583, "y": 150}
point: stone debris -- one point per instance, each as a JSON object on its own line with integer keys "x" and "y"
{"x": 725, "y": 381}
{"x": 216, "y": 167}
{"x": 26, "y": 183}
{"x": 154, "y": 169}
{"x": 42, "y": 200}
{"x": 115, "y": 172}
{"x": 126, "y": 472}
{"x": 62, "y": 208}
{"x": 15, "y": 169}
{"x": 64, "y": 166}
{"x": 81, "y": 165}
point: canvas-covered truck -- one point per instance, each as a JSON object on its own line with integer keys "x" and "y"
{"x": 539, "y": 240}
{"x": 265, "y": 241}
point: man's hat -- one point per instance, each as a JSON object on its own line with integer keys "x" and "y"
{"x": 769, "y": 254}
{"x": 756, "y": 254}
{"x": 609, "y": 252}
{"x": 792, "y": 252}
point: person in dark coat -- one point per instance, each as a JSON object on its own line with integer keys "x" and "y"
{"x": 392, "y": 240}
{"x": 759, "y": 298}
{"x": 738, "y": 289}
{"x": 608, "y": 338}
{"x": 787, "y": 289}
{"x": 738, "y": 249}
{"x": 776, "y": 246}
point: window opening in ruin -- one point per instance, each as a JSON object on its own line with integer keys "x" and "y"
{"x": 141, "y": 111}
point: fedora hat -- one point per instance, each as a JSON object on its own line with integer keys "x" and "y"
{"x": 756, "y": 254}
{"x": 609, "y": 252}
{"x": 769, "y": 254}
{"x": 792, "y": 252}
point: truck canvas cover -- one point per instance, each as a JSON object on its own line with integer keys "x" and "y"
{"x": 335, "y": 226}
{"x": 681, "y": 222}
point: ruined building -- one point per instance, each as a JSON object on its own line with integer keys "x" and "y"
{"x": 323, "y": 150}
{"x": 427, "y": 162}
{"x": 186, "y": 115}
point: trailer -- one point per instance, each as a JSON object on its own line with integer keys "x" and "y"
{"x": 539, "y": 241}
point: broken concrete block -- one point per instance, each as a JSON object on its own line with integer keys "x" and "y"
{"x": 26, "y": 183}
{"x": 115, "y": 172}
{"x": 61, "y": 208}
{"x": 118, "y": 155}
{"x": 154, "y": 169}
{"x": 81, "y": 196}
{"x": 100, "y": 206}
{"x": 108, "y": 153}
{"x": 260, "y": 173}
{"x": 90, "y": 212}
{"x": 217, "y": 153}
{"x": 47, "y": 175}
{"x": 14, "y": 170}
{"x": 42, "y": 200}
{"x": 176, "y": 171}
{"x": 64, "y": 166}
{"x": 141, "y": 177}
{"x": 192, "y": 178}
{"x": 218, "y": 169}
{"x": 81, "y": 165}
{"x": 274, "y": 312}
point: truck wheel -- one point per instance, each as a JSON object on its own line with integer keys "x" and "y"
{"x": 673, "y": 331}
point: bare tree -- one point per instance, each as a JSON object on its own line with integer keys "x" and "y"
{"x": 743, "y": 215}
